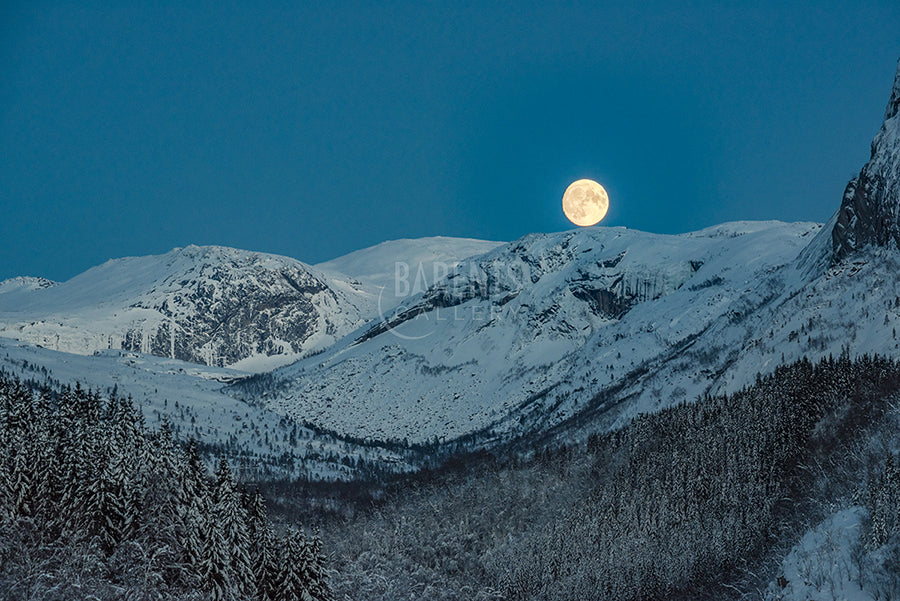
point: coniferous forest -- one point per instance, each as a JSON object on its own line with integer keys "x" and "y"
{"x": 93, "y": 505}
{"x": 701, "y": 500}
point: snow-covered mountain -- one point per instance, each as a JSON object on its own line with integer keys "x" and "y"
{"x": 870, "y": 211}
{"x": 25, "y": 283}
{"x": 522, "y": 337}
{"x": 551, "y": 335}
{"x": 399, "y": 268}
{"x": 579, "y": 331}
{"x": 215, "y": 305}
{"x": 210, "y": 305}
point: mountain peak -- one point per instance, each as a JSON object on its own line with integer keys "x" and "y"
{"x": 870, "y": 210}
{"x": 216, "y": 252}
{"x": 25, "y": 283}
{"x": 893, "y": 107}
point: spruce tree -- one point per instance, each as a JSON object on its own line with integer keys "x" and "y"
{"x": 319, "y": 589}
{"x": 194, "y": 510}
{"x": 232, "y": 521}
{"x": 263, "y": 550}
{"x": 293, "y": 583}
{"x": 215, "y": 563}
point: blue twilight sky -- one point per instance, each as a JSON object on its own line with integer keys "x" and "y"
{"x": 314, "y": 129}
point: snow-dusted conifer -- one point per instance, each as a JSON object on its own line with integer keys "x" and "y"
{"x": 293, "y": 583}
{"x": 228, "y": 529}
{"x": 263, "y": 549}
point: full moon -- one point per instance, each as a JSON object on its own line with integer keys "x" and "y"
{"x": 585, "y": 202}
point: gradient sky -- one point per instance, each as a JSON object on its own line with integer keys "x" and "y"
{"x": 314, "y": 129}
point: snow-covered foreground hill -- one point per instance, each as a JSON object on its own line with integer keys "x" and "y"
{"x": 189, "y": 398}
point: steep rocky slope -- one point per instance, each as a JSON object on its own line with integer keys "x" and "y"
{"x": 870, "y": 211}
{"x": 211, "y": 305}
{"x": 219, "y": 306}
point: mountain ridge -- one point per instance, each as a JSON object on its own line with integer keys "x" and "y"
{"x": 211, "y": 305}
{"x": 506, "y": 340}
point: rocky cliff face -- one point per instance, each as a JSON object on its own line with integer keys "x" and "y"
{"x": 230, "y": 305}
{"x": 213, "y": 305}
{"x": 870, "y": 211}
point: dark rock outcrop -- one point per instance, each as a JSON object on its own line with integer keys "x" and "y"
{"x": 229, "y": 305}
{"x": 870, "y": 211}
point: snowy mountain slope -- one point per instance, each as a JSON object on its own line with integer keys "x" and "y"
{"x": 210, "y": 305}
{"x": 570, "y": 333}
{"x": 189, "y": 397}
{"x": 216, "y": 305}
{"x": 24, "y": 283}
{"x": 822, "y": 566}
{"x": 506, "y": 340}
{"x": 400, "y": 268}
{"x": 852, "y": 307}
{"x": 850, "y": 550}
